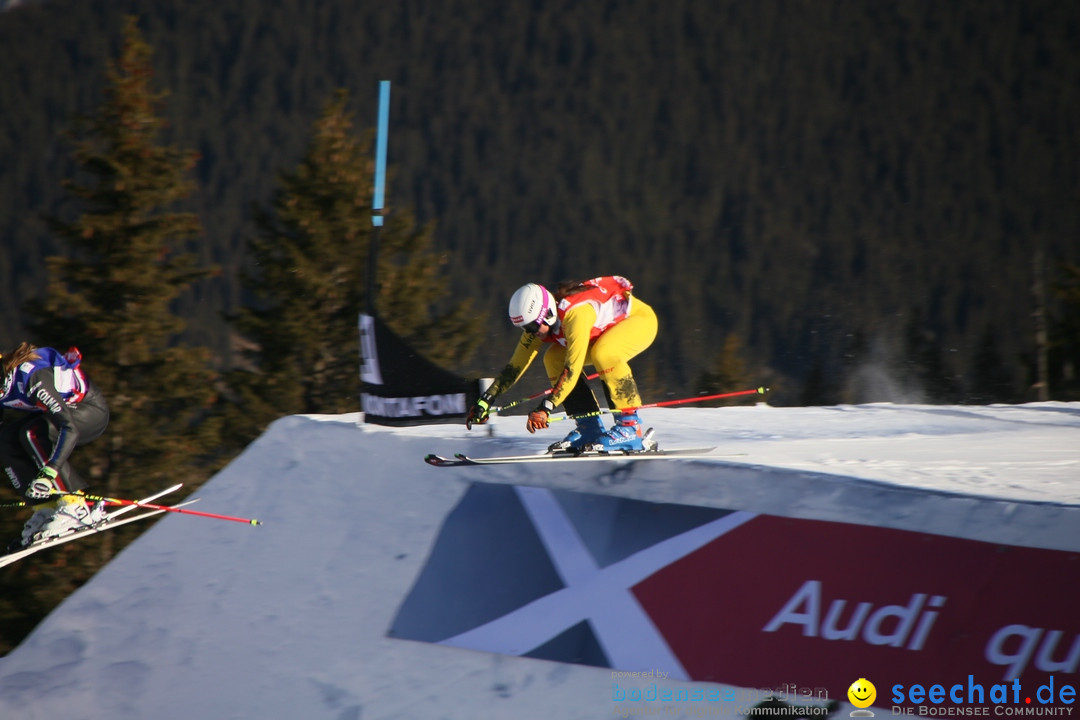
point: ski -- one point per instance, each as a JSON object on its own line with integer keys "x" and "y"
{"x": 110, "y": 521}
{"x": 461, "y": 460}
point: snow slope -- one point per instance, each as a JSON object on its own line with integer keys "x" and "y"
{"x": 207, "y": 619}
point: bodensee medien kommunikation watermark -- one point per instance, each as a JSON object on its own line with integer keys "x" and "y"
{"x": 651, "y": 699}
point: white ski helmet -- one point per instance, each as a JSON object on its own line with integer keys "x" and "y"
{"x": 531, "y": 305}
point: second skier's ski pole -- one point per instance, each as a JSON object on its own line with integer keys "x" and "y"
{"x": 167, "y": 508}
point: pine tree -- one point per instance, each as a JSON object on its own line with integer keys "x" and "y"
{"x": 991, "y": 379}
{"x": 925, "y": 368}
{"x": 309, "y": 276}
{"x": 817, "y": 389}
{"x": 727, "y": 373}
{"x": 112, "y": 294}
{"x": 1065, "y": 335}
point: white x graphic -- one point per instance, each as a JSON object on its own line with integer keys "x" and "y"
{"x": 627, "y": 635}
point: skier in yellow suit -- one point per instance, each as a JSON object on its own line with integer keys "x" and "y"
{"x": 597, "y": 322}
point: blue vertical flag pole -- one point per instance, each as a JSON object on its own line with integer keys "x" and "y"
{"x": 379, "y": 196}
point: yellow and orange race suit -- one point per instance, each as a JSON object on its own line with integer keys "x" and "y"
{"x": 604, "y": 326}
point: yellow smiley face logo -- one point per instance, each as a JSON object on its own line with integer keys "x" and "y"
{"x": 862, "y": 693}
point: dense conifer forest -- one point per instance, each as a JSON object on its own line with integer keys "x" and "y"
{"x": 852, "y": 194}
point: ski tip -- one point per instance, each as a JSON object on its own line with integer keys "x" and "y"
{"x": 457, "y": 461}
{"x": 438, "y": 460}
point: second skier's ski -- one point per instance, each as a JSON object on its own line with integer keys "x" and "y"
{"x": 112, "y": 520}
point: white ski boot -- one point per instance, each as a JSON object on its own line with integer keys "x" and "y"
{"x": 72, "y": 513}
{"x": 37, "y": 521}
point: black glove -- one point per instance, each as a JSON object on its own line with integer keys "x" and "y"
{"x": 478, "y": 413}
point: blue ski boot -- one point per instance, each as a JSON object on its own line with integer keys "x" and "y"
{"x": 587, "y": 432}
{"x": 626, "y": 436}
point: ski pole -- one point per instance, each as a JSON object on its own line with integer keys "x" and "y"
{"x": 666, "y": 403}
{"x": 542, "y": 393}
{"x": 166, "y": 508}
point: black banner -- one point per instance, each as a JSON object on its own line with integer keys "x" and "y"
{"x": 398, "y": 386}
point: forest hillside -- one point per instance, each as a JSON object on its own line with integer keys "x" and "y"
{"x": 863, "y": 194}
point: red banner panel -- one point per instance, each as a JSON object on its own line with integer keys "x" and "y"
{"x": 819, "y": 605}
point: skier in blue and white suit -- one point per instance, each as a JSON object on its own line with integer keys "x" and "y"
{"x": 58, "y": 410}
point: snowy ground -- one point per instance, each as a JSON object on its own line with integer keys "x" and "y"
{"x": 208, "y": 619}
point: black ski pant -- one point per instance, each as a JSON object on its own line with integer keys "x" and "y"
{"x": 26, "y": 442}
